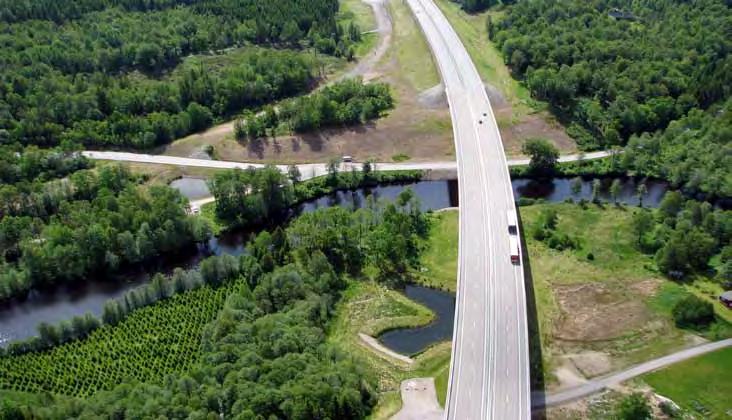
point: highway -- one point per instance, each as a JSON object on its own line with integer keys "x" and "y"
{"x": 489, "y": 369}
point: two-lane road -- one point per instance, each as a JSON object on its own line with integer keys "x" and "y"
{"x": 489, "y": 373}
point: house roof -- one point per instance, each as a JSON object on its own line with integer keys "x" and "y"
{"x": 727, "y": 295}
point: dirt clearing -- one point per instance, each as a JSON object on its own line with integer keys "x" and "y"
{"x": 593, "y": 312}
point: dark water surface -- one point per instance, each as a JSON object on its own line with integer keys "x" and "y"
{"x": 18, "y": 319}
{"x": 414, "y": 340}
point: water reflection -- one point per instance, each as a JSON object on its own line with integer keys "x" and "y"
{"x": 414, "y": 340}
{"x": 19, "y": 319}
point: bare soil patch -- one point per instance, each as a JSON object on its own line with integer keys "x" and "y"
{"x": 646, "y": 288}
{"x": 515, "y": 130}
{"x": 593, "y": 312}
{"x": 591, "y": 363}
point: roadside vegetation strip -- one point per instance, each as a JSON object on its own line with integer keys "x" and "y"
{"x": 701, "y": 386}
{"x": 439, "y": 260}
{"x": 361, "y": 14}
{"x": 411, "y": 50}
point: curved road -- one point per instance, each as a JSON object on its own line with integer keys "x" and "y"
{"x": 489, "y": 368}
{"x": 599, "y": 384}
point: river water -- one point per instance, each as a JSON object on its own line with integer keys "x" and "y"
{"x": 18, "y": 319}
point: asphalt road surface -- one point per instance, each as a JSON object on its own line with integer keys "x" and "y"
{"x": 307, "y": 169}
{"x": 601, "y": 383}
{"x": 489, "y": 372}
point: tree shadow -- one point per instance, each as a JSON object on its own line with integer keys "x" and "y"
{"x": 256, "y": 147}
{"x": 536, "y": 357}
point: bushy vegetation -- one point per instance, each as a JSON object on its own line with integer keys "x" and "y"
{"x": 345, "y": 103}
{"x": 34, "y": 164}
{"x": 543, "y": 154}
{"x": 265, "y": 354}
{"x": 634, "y": 407}
{"x": 99, "y": 72}
{"x": 92, "y": 222}
{"x": 683, "y": 234}
{"x": 471, "y": 6}
{"x": 250, "y": 196}
{"x": 693, "y": 312}
{"x": 615, "y": 77}
{"x": 545, "y": 230}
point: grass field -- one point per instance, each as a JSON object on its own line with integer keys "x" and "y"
{"x": 700, "y": 385}
{"x": 608, "y": 312}
{"x": 441, "y": 256}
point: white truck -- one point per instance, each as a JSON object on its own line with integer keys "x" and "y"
{"x": 513, "y": 240}
{"x": 513, "y": 244}
{"x": 512, "y": 222}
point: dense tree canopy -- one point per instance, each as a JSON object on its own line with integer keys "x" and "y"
{"x": 107, "y": 72}
{"x": 91, "y": 222}
{"x": 345, "y": 103}
{"x": 264, "y": 356}
{"x": 694, "y": 152}
{"x": 683, "y": 234}
{"x": 613, "y": 77}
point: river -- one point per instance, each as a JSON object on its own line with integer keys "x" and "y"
{"x": 18, "y": 319}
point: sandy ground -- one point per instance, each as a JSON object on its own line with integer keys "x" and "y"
{"x": 374, "y": 344}
{"x": 419, "y": 400}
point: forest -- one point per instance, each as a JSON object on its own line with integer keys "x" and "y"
{"x": 263, "y": 356}
{"x": 112, "y": 73}
{"x": 615, "y": 71}
{"x": 93, "y": 222}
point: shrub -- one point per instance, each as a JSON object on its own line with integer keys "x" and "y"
{"x": 692, "y": 311}
{"x": 634, "y": 407}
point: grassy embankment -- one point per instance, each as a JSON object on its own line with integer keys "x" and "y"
{"x": 472, "y": 30}
{"x": 410, "y": 49}
{"x": 701, "y": 385}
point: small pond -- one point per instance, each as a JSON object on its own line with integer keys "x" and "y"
{"x": 18, "y": 319}
{"x": 410, "y": 341}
